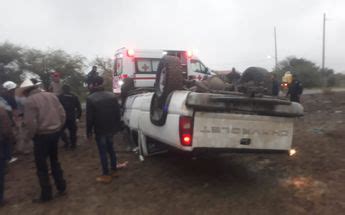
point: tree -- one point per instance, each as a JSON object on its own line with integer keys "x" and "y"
{"x": 10, "y": 58}
{"x": 307, "y": 72}
{"x": 17, "y": 63}
{"x": 339, "y": 80}
{"x": 327, "y": 77}
{"x": 44, "y": 63}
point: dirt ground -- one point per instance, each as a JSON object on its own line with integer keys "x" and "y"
{"x": 312, "y": 182}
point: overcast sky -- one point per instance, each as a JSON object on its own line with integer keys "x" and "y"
{"x": 225, "y": 33}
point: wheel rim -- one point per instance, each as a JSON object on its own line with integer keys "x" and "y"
{"x": 162, "y": 81}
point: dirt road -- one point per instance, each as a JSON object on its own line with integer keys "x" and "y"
{"x": 310, "y": 183}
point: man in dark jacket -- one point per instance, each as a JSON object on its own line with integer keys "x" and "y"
{"x": 6, "y": 138}
{"x": 91, "y": 76}
{"x": 295, "y": 89}
{"x": 275, "y": 85}
{"x": 72, "y": 107}
{"x": 103, "y": 119}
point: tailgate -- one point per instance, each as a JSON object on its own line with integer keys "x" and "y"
{"x": 240, "y": 131}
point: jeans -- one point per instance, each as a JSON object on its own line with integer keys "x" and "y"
{"x": 2, "y": 178}
{"x": 105, "y": 146}
{"x": 46, "y": 146}
{"x": 71, "y": 126}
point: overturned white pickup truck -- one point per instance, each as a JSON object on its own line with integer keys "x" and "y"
{"x": 216, "y": 120}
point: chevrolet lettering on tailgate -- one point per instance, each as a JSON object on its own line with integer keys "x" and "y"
{"x": 243, "y": 131}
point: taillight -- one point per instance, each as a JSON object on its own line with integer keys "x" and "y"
{"x": 284, "y": 85}
{"x": 130, "y": 52}
{"x": 186, "y": 130}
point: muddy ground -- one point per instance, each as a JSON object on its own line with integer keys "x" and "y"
{"x": 312, "y": 182}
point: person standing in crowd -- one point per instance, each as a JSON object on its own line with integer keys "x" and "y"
{"x": 8, "y": 96}
{"x": 103, "y": 119}
{"x": 72, "y": 106}
{"x": 295, "y": 89}
{"x": 275, "y": 85}
{"x": 6, "y": 138}
{"x": 55, "y": 85}
{"x": 23, "y": 144}
{"x": 44, "y": 118}
{"x": 91, "y": 76}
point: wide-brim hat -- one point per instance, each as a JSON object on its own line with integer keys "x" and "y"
{"x": 27, "y": 84}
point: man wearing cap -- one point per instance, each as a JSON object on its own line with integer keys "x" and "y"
{"x": 55, "y": 85}
{"x": 44, "y": 117}
{"x": 8, "y": 101}
{"x": 8, "y": 94}
{"x": 103, "y": 119}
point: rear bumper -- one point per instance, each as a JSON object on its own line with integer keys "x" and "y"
{"x": 240, "y": 151}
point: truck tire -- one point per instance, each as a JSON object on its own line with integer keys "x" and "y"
{"x": 158, "y": 110}
{"x": 255, "y": 74}
{"x": 257, "y": 79}
{"x": 169, "y": 78}
{"x": 128, "y": 85}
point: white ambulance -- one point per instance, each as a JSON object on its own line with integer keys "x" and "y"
{"x": 140, "y": 66}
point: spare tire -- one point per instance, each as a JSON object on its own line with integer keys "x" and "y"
{"x": 169, "y": 78}
{"x": 254, "y": 74}
{"x": 257, "y": 77}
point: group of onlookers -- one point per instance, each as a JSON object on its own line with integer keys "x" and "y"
{"x": 45, "y": 117}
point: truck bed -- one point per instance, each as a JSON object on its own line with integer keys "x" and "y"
{"x": 220, "y": 121}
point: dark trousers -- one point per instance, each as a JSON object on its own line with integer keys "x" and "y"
{"x": 5, "y": 156}
{"x": 105, "y": 147}
{"x": 46, "y": 146}
{"x": 2, "y": 178}
{"x": 71, "y": 126}
{"x": 295, "y": 98}
{"x": 8, "y": 151}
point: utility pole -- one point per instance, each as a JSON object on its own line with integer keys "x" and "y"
{"x": 323, "y": 41}
{"x": 275, "y": 49}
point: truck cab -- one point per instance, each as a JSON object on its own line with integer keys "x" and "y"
{"x": 142, "y": 65}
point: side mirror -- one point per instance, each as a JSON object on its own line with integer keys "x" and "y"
{"x": 206, "y": 70}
